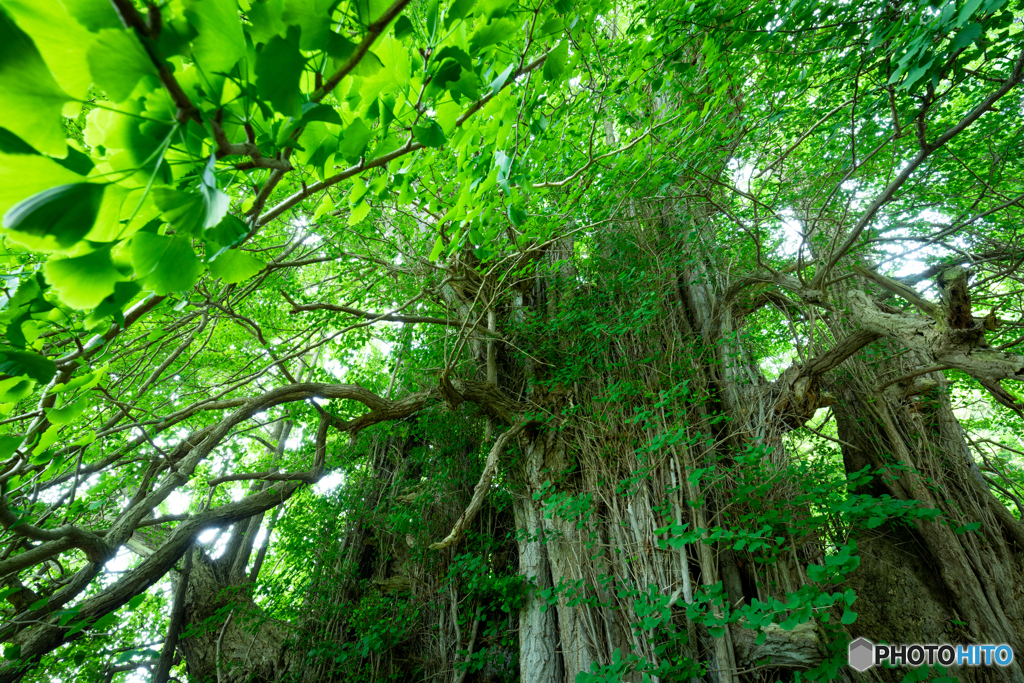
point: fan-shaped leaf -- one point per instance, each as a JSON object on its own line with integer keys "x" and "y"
{"x": 15, "y": 362}
{"x": 32, "y": 100}
{"x": 84, "y": 281}
{"x": 234, "y": 266}
{"x": 169, "y": 264}
{"x": 219, "y": 43}
{"x": 65, "y": 213}
{"x": 279, "y": 66}
{"x": 117, "y": 62}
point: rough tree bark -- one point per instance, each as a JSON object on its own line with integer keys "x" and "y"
{"x": 235, "y": 643}
{"x": 951, "y": 588}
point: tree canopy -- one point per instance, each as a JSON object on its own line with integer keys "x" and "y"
{"x": 285, "y": 278}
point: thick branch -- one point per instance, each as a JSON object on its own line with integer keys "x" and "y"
{"x": 193, "y": 449}
{"x": 956, "y": 297}
{"x": 799, "y": 396}
{"x": 45, "y": 637}
{"x": 843, "y": 349}
{"x": 93, "y": 545}
{"x": 901, "y": 290}
{"x": 958, "y": 349}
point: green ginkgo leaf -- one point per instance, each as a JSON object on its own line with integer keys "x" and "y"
{"x": 234, "y": 266}
{"x": 14, "y": 389}
{"x": 69, "y": 413}
{"x": 183, "y": 210}
{"x": 279, "y": 66}
{"x": 93, "y": 15}
{"x": 326, "y": 205}
{"x": 353, "y": 142}
{"x": 552, "y": 26}
{"x": 499, "y": 82}
{"x": 8, "y": 445}
{"x": 15, "y": 363}
{"x": 23, "y": 175}
{"x": 169, "y": 264}
{"x": 314, "y": 18}
{"x": 112, "y": 306}
{"x": 491, "y": 34}
{"x": 435, "y": 253}
{"x": 61, "y": 40}
{"x": 229, "y": 232}
{"x": 449, "y": 72}
{"x": 516, "y": 215}
{"x": 457, "y": 54}
{"x": 191, "y": 213}
{"x": 117, "y": 62}
{"x": 320, "y": 112}
{"x": 32, "y": 100}
{"x": 359, "y": 212}
{"x": 460, "y": 9}
{"x": 554, "y": 65}
{"x": 215, "y": 202}
{"x": 219, "y": 43}
{"x": 403, "y": 27}
{"x": 370, "y": 10}
{"x": 966, "y": 36}
{"x": 65, "y": 213}
{"x": 84, "y": 281}
{"x": 429, "y": 134}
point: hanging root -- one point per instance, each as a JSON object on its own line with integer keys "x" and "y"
{"x": 480, "y": 491}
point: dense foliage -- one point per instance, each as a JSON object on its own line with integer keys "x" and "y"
{"x": 347, "y": 340}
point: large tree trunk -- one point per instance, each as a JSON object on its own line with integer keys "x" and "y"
{"x": 539, "y": 658}
{"x": 232, "y": 639}
{"x": 604, "y": 499}
{"x": 961, "y": 588}
{"x": 951, "y": 588}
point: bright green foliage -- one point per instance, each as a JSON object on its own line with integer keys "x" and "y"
{"x": 218, "y": 212}
{"x": 64, "y": 213}
{"x": 83, "y": 282}
{"x": 32, "y": 98}
{"x": 117, "y": 61}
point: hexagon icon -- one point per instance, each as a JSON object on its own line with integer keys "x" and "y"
{"x": 862, "y": 654}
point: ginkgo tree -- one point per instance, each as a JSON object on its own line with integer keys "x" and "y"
{"x": 355, "y": 340}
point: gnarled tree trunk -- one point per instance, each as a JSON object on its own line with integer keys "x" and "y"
{"x": 950, "y": 587}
